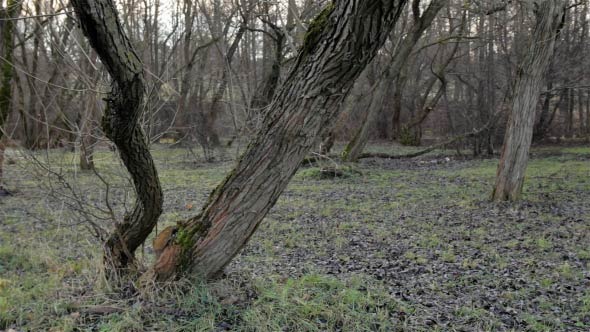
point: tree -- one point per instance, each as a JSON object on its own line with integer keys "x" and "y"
{"x": 340, "y": 42}
{"x": 120, "y": 122}
{"x": 421, "y": 23}
{"x": 8, "y": 14}
{"x": 514, "y": 158}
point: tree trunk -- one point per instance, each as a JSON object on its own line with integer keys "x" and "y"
{"x": 209, "y": 138}
{"x": 398, "y": 94}
{"x": 11, "y": 11}
{"x": 421, "y": 22}
{"x": 570, "y": 112}
{"x": 327, "y": 142}
{"x": 87, "y": 138}
{"x": 265, "y": 93}
{"x": 519, "y": 133}
{"x": 355, "y": 147}
{"x": 340, "y": 42}
{"x": 99, "y": 21}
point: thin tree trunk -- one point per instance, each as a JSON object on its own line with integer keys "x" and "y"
{"x": 570, "y": 112}
{"x": 355, "y": 147}
{"x": 11, "y": 11}
{"x": 583, "y": 114}
{"x": 340, "y": 42}
{"x": 398, "y": 94}
{"x": 519, "y": 133}
{"x": 210, "y": 137}
{"x": 541, "y": 127}
{"x": 99, "y": 21}
{"x": 264, "y": 95}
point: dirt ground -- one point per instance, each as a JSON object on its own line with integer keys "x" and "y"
{"x": 409, "y": 245}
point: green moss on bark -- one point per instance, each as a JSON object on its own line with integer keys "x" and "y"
{"x": 316, "y": 27}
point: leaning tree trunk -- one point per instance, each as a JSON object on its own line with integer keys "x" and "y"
{"x": 11, "y": 11}
{"x": 99, "y": 21}
{"x": 519, "y": 133}
{"x": 339, "y": 44}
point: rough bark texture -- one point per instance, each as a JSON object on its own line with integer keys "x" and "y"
{"x": 99, "y": 21}
{"x": 12, "y": 9}
{"x": 519, "y": 133}
{"x": 339, "y": 44}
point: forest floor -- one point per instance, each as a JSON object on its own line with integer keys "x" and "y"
{"x": 398, "y": 245}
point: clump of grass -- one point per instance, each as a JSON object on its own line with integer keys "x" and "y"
{"x": 320, "y": 303}
{"x": 448, "y": 256}
{"x": 544, "y": 243}
{"x": 25, "y": 286}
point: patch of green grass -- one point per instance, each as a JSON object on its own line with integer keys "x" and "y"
{"x": 544, "y": 243}
{"x": 585, "y": 308}
{"x": 584, "y": 254}
{"x": 417, "y": 258}
{"x": 320, "y": 303}
{"x": 26, "y": 284}
{"x": 431, "y": 225}
{"x": 448, "y": 256}
{"x": 566, "y": 271}
{"x": 538, "y": 324}
{"x": 431, "y": 240}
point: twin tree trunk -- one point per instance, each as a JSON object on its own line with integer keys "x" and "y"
{"x": 99, "y": 21}
{"x": 339, "y": 44}
{"x": 519, "y": 133}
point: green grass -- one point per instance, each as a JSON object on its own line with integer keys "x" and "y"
{"x": 402, "y": 246}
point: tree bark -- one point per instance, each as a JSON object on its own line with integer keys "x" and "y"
{"x": 11, "y": 11}
{"x": 100, "y": 23}
{"x": 519, "y": 133}
{"x": 339, "y": 44}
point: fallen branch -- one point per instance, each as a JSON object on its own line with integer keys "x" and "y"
{"x": 97, "y": 309}
{"x": 433, "y": 147}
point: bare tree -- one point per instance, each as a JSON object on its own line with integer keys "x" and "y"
{"x": 340, "y": 42}
{"x": 513, "y": 161}
{"x": 100, "y": 23}
{"x": 422, "y": 22}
